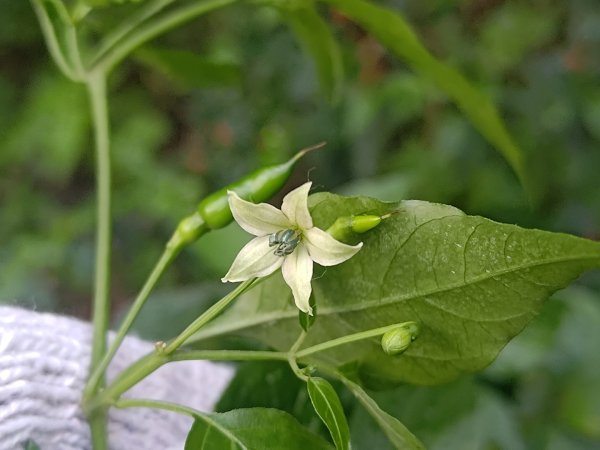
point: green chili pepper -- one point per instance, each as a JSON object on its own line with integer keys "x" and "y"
{"x": 213, "y": 212}
{"x": 343, "y": 228}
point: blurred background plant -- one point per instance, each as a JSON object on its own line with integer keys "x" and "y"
{"x": 238, "y": 93}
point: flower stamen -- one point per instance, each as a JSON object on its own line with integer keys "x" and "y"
{"x": 285, "y": 240}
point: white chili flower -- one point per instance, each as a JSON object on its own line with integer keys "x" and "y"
{"x": 286, "y": 238}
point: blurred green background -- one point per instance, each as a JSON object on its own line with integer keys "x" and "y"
{"x": 251, "y": 97}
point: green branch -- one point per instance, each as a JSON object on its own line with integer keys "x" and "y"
{"x": 152, "y": 361}
{"x": 154, "y": 28}
{"x": 128, "y": 25}
{"x": 52, "y": 43}
{"x": 98, "y": 373}
{"x": 346, "y": 340}
{"x": 96, "y": 84}
{"x": 208, "y": 315}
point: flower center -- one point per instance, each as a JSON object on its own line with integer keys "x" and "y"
{"x": 284, "y": 241}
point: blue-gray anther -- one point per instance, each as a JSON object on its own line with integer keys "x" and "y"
{"x": 285, "y": 240}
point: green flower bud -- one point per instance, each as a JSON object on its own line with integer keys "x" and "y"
{"x": 346, "y": 226}
{"x": 396, "y": 341}
{"x": 364, "y": 223}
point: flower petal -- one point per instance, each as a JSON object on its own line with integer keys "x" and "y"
{"x": 258, "y": 219}
{"x": 325, "y": 250}
{"x": 297, "y": 272}
{"x": 295, "y": 207}
{"x": 255, "y": 259}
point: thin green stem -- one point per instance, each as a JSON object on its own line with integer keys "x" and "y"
{"x": 208, "y": 315}
{"x": 152, "y": 361}
{"x": 96, "y": 84}
{"x": 227, "y": 355}
{"x": 345, "y": 340}
{"x": 54, "y": 49}
{"x": 128, "y": 25}
{"x": 181, "y": 409}
{"x": 73, "y": 51}
{"x": 157, "y": 404}
{"x": 165, "y": 260}
{"x": 155, "y": 28}
{"x": 292, "y": 358}
{"x": 397, "y": 433}
{"x": 149, "y": 363}
{"x": 97, "y": 93}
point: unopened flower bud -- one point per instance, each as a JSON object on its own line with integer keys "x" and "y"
{"x": 396, "y": 341}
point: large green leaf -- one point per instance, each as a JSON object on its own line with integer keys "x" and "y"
{"x": 396, "y": 34}
{"x": 470, "y": 282}
{"x": 252, "y": 429}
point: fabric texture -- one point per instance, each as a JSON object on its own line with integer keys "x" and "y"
{"x": 43, "y": 367}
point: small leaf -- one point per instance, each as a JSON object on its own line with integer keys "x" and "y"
{"x": 189, "y": 70}
{"x": 316, "y": 37}
{"x": 457, "y": 416}
{"x": 399, "y": 436}
{"x": 252, "y": 429}
{"x": 30, "y": 444}
{"x": 395, "y": 33}
{"x": 329, "y": 408}
{"x": 306, "y": 320}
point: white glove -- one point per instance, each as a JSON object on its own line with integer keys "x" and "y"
{"x": 44, "y": 362}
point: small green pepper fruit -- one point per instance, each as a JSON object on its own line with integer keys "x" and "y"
{"x": 256, "y": 187}
{"x": 213, "y": 211}
{"x": 396, "y": 341}
{"x": 343, "y": 228}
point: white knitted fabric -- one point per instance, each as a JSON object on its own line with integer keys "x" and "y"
{"x": 43, "y": 367}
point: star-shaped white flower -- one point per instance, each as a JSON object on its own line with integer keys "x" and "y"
{"x": 285, "y": 238}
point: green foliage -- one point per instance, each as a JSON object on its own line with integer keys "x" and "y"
{"x": 397, "y": 434}
{"x": 329, "y": 408}
{"x": 51, "y": 128}
{"x": 391, "y": 136}
{"x": 394, "y": 33}
{"x": 470, "y": 283}
{"x": 189, "y": 70}
{"x": 252, "y": 429}
{"x": 316, "y": 37}
{"x": 307, "y": 320}
{"x": 458, "y": 415}
{"x": 30, "y": 445}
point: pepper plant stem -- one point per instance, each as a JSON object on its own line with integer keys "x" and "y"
{"x": 96, "y": 84}
{"x": 157, "y": 404}
{"x": 208, "y": 315}
{"x": 149, "y": 30}
{"x": 152, "y": 361}
{"x": 97, "y": 92}
{"x": 181, "y": 409}
{"x": 345, "y": 340}
{"x": 166, "y": 258}
{"x": 132, "y": 22}
{"x": 149, "y": 363}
